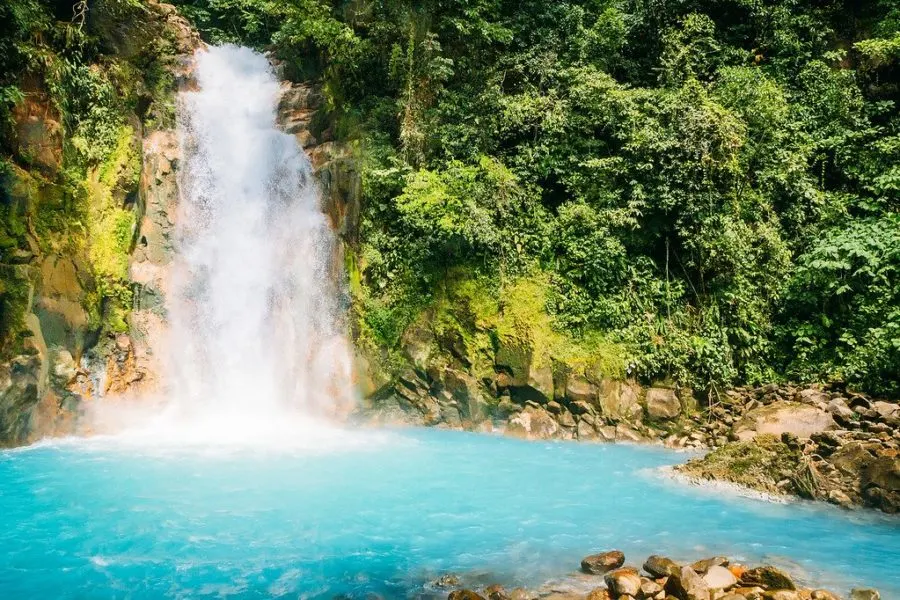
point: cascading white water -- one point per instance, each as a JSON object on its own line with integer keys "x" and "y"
{"x": 256, "y": 333}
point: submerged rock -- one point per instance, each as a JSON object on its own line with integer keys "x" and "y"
{"x": 864, "y": 594}
{"x": 446, "y": 581}
{"x": 598, "y": 564}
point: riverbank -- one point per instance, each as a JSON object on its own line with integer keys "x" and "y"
{"x": 810, "y": 442}
{"x": 606, "y": 576}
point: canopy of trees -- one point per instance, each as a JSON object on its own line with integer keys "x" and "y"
{"x": 712, "y": 185}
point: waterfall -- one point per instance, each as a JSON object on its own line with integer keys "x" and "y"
{"x": 256, "y": 332}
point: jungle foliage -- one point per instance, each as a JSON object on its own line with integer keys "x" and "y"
{"x": 710, "y": 185}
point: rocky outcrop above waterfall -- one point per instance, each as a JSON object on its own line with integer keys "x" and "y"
{"x": 77, "y": 209}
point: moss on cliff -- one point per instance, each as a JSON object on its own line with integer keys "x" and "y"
{"x": 111, "y": 228}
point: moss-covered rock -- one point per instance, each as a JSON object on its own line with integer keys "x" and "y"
{"x": 761, "y": 463}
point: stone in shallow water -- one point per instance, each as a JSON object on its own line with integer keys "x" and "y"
{"x": 660, "y": 566}
{"x": 598, "y": 564}
{"x": 865, "y": 594}
{"x": 496, "y": 592}
{"x": 447, "y": 580}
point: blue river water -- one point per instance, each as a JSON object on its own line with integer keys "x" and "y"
{"x": 385, "y": 512}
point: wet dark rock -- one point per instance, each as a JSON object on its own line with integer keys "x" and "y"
{"x": 603, "y": 562}
{"x": 465, "y": 595}
{"x": 660, "y": 566}
{"x": 447, "y": 580}
{"x": 768, "y": 577}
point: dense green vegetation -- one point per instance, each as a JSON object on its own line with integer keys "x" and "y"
{"x": 708, "y": 188}
{"x": 702, "y": 191}
{"x": 77, "y": 83}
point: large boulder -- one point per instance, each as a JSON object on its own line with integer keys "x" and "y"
{"x": 533, "y": 423}
{"x": 623, "y": 581}
{"x": 662, "y": 403}
{"x": 598, "y": 564}
{"x": 687, "y": 585}
{"x": 881, "y": 483}
{"x": 619, "y": 400}
{"x": 768, "y": 577}
{"x": 884, "y": 472}
{"x": 719, "y": 578}
{"x": 660, "y": 566}
{"x": 781, "y": 417}
{"x": 886, "y": 410}
{"x": 579, "y": 389}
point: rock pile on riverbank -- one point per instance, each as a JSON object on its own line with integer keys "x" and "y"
{"x": 661, "y": 578}
{"x": 844, "y": 449}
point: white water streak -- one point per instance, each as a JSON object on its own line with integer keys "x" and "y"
{"x": 256, "y": 333}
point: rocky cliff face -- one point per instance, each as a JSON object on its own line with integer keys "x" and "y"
{"x": 301, "y": 114}
{"x": 66, "y": 355}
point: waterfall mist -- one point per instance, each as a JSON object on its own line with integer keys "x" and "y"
{"x": 256, "y": 338}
